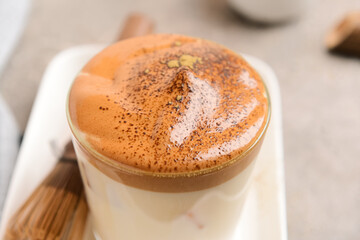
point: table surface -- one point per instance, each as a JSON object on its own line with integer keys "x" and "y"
{"x": 320, "y": 91}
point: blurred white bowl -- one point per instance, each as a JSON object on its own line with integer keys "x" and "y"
{"x": 268, "y": 11}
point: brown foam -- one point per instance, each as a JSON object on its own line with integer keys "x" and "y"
{"x": 168, "y": 104}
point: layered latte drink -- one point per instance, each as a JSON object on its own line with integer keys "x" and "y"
{"x": 166, "y": 130}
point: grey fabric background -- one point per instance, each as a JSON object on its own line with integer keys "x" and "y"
{"x": 320, "y": 91}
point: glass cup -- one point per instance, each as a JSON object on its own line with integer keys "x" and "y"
{"x": 127, "y": 203}
{"x": 130, "y": 203}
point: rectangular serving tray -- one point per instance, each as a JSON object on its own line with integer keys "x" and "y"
{"x": 47, "y": 132}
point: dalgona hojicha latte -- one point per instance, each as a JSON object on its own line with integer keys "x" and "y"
{"x": 167, "y": 129}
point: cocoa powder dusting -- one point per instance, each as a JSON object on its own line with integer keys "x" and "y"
{"x": 169, "y": 103}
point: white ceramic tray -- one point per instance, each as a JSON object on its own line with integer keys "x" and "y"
{"x": 47, "y": 131}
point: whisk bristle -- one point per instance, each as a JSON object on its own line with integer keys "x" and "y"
{"x": 52, "y": 208}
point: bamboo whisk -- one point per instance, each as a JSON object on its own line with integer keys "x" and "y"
{"x": 53, "y": 206}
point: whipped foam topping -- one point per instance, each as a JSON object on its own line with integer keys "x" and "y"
{"x": 169, "y": 103}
